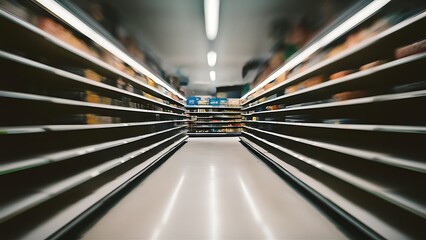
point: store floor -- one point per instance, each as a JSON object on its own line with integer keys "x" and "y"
{"x": 213, "y": 188}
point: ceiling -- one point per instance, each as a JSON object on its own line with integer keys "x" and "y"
{"x": 174, "y": 31}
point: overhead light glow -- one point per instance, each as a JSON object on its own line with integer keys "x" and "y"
{"x": 211, "y": 18}
{"x": 80, "y": 26}
{"x": 350, "y": 23}
{"x": 213, "y": 203}
{"x": 212, "y": 75}
{"x": 169, "y": 209}
{"x": 211, "y": 58}
{"x": 255, "y": 211}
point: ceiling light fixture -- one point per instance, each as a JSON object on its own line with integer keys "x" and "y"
{"x": 62, "y": 13}
{"x": 212, "y": 75}
{"x": 350, "y": 23}
{"x": 211, "y": 18}
{"x": 211, "y": 58}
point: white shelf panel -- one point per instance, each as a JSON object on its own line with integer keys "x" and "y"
{"x": 356, "y": 181}
{"x": 361, "y": 127}
{"x": 66, "y": 102}
{"x": 358, "y": 77}
{"x": 374, "y": 156}
{"x": 36, "y": 33}
{"x": 36, "y": 161}
{"x": 358, "y": 101}
{"x": 363, "y": 46}
{"x": 76, "y": 127}
{"x": 56, "y": 188}
{"x": 76, "y": 78}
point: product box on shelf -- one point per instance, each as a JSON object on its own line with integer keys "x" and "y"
{"x": 233, "y": 102}
{"x": 203, "y": 100}
{"x": 223, "y": 101}
{"x": 192, "y": 100}
{"x": 214, "y": 101}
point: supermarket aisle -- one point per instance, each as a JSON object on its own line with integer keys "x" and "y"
{"x": 213, "y": 188}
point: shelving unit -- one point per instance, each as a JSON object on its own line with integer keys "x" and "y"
{"x": 361, "y": 155}
{"x": 69, "y": 142}
{"x": 214, "y": 121}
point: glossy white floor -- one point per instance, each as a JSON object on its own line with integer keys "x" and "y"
{"x": 213, "y": 188}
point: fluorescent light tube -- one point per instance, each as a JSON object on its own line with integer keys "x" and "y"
{"x": 73, "y": 21}
{"x": 211, "y": 58}
{"x": 212, "y": 75}
{"x": 350, "y": 23}
{"x": 211, "y": 18}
